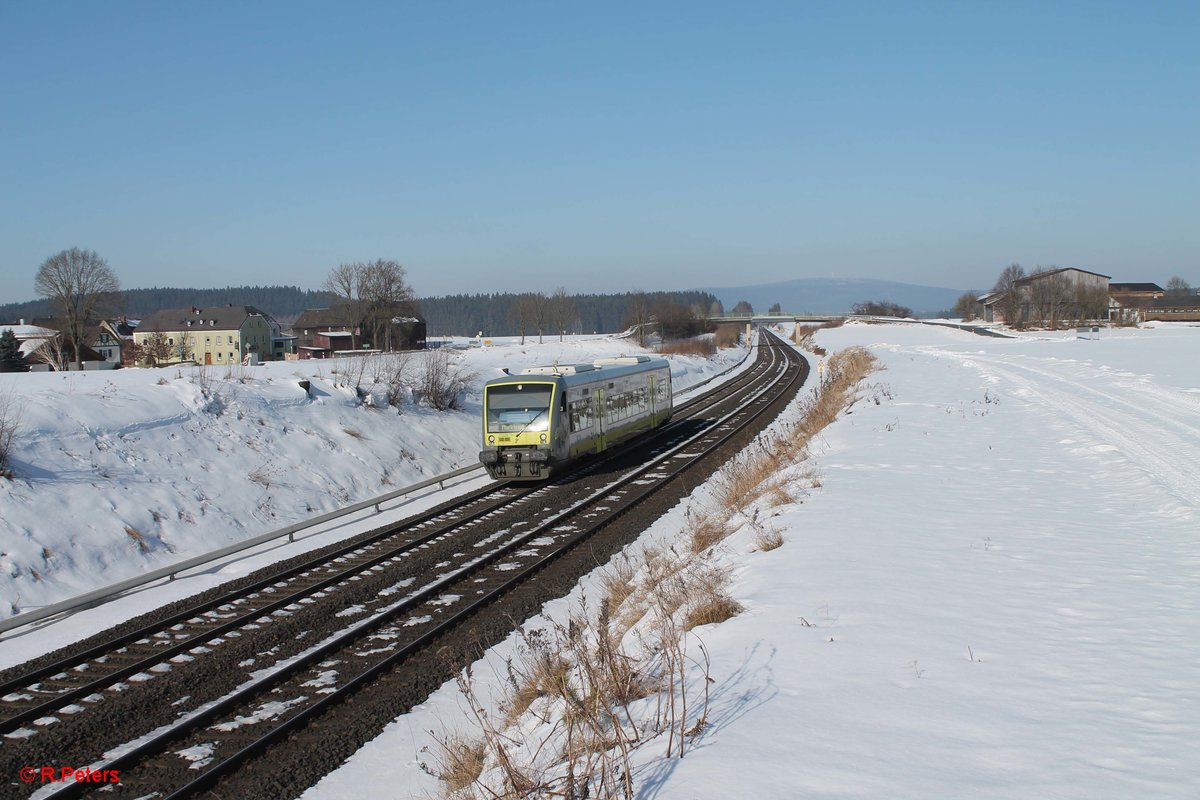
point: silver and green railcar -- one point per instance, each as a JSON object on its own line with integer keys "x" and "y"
{"x": 545, "y": 417}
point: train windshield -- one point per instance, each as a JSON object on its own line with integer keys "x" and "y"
{"x": 518, "y": 407}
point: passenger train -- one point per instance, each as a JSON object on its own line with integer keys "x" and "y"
{"x": 538, "y": 421}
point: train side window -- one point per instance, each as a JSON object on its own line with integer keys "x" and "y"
{"x": 581, "y": 415}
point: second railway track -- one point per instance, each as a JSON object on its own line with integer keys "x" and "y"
{"x": 254, "y": 688}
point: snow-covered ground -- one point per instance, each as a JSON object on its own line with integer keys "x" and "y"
{"x": 117, "y": 473}
{"x": 993, "y": 592}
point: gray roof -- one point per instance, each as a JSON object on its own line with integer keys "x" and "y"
{"x": 322, "y": 317}
{"x": 216, "y": 318}
{"x": 1039, "y": 275}
{"x": 1117, "y": 288}
{"x": 1189, "y": 302}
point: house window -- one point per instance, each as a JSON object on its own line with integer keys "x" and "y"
{"x": 231, "y": 340}
{"x": 170, "y": 340}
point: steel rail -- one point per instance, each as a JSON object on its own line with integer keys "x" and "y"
{"x": 276, "y": 602}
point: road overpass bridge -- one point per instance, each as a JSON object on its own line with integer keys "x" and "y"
{"x": 774, "y": 319}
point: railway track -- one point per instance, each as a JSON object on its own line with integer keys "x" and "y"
{"x": 255, "y": 673}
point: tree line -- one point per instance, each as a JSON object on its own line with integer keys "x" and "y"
{"x": 284, "y": 303}
{"x": 511, "y": 314}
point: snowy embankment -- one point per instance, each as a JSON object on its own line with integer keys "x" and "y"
{"x": 991, "y": 593}
{"x": 117, "y": 473}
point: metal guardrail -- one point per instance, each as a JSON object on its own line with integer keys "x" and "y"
{"x": 170, "y": 571}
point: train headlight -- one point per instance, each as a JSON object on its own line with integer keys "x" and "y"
{"x": 491, "y": 440}
{"x": 543, "y": 438}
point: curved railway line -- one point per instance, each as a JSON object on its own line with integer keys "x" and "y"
{"x": 261, "y": 688}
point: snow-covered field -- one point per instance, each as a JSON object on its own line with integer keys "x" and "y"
{"x": 994, "y": 592}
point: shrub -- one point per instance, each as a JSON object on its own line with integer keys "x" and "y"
{"x": 442, "y": 382}
{"x": 457, "y": 762}
{"x": 10, "y": 421}
{"x": 727, "y": 335}
{"x": 768, "y": 538}
{"x": 711, "y": 609}
{"x": 881, "y": 308}
{"x": 689, "y": 347}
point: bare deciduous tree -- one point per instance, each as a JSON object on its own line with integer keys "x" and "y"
{"x": 522, "y": 313}
{"x": 562, "y": 311}
{"x": 1009, "y": 302}
{"x": 10, "y": 421}
{"x": 182, "y": 348}
{"x": 1178, "y": 286}
{"x": 373, "y": 294}
{"x": 156, "y": 348}
{"x": 53, "y": 353}
{"x": 79, "y": 284}
{"x": 388, "y": 297}
{"x": 966, "y": 307}
{"x": 639, "y": 315}
{"x": 528, "y": 311}
{"x": 443, "y": 381}
{"x": 1090, "y": 303}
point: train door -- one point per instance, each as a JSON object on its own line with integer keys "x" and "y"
{"x": 598, "y": 422}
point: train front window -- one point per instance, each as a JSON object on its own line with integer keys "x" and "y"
{"x": 518, "y": 407}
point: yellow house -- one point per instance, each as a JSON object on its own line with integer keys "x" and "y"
{"x": 220, "y": 335}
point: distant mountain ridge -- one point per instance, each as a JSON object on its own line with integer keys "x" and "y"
{"x": 835, "y": 295}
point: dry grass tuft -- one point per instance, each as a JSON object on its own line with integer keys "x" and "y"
{"x": 713, "y": 609}
{"x": 458, "y": 762}
{"x": 708, "y": 531}
{"x": 10, "y": 425}
{"x": 540, "y": 670}
{"x": 703, "y": 347}
{"x": 617, "y": 581}
{"x": 136, "y": 537}
{"x": 803, "y": 336}
{"x": 727, "y": 335}
{"x": 768, "y": 539}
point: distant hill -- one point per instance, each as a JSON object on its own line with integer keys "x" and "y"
{"x": 835, "y": 295}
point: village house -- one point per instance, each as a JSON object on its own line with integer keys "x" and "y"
{"x": 1051, "y": 297}
{"x": 1173, "y": 308}
{"x": 46, "y": 348}
{"x": 111, "y": 339}
{"x": 326, "y": 332}
{"x": 32, "y": 339}
{"x": 231, "y": 334}
{"x": 1127, "y": 301}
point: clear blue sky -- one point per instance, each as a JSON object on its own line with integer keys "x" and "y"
{"x": 600, "y": 146}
